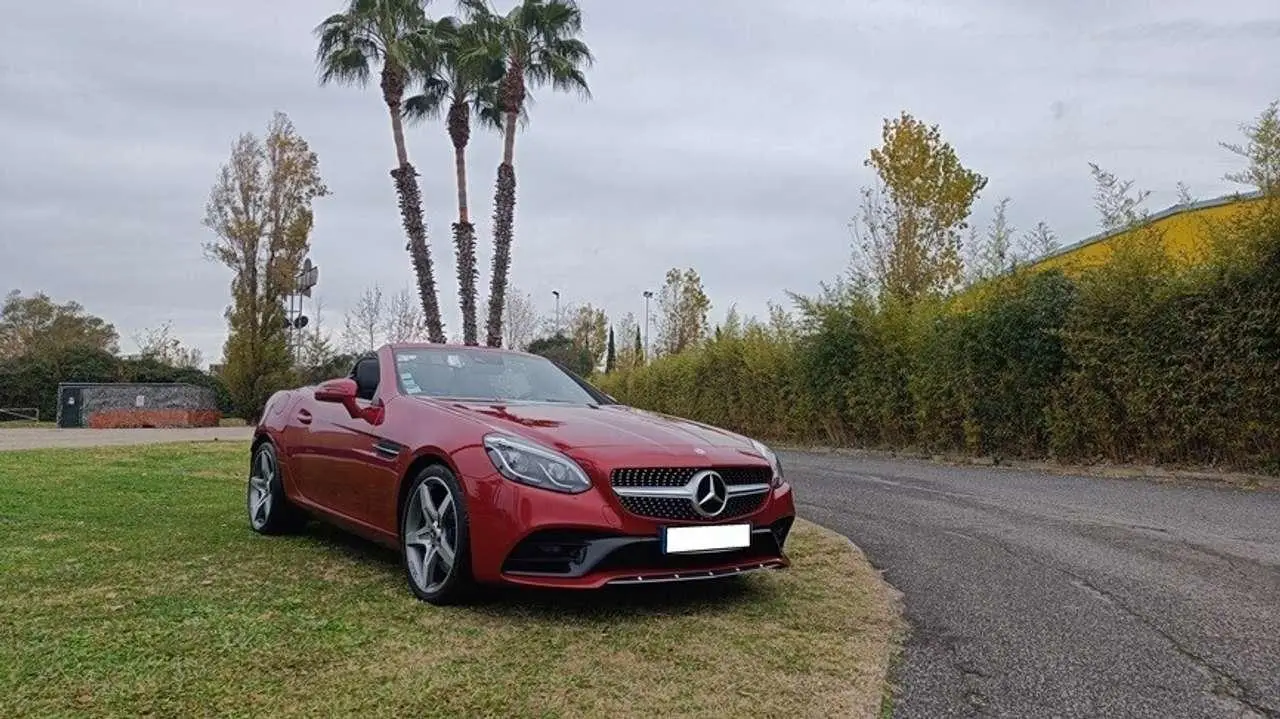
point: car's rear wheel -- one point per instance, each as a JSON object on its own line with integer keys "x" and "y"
{"x": 435, "y": 538}
{"x": 270, "y": 512}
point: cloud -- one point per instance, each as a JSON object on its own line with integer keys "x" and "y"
{"x": 726, "y": 135}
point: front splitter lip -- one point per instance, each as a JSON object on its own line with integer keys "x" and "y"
{"x": 698, "y": 574}
{"x": 633, "y": 577}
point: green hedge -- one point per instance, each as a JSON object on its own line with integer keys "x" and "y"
{"x": 1134, "y": 361}
{"x": 1174, "y": 368}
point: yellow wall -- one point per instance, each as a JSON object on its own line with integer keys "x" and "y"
{"x": 1185, "y": 234}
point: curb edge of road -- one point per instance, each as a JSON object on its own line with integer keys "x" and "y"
{"x": 899, "y": 632}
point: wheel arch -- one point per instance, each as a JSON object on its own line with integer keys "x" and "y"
{"x": 259, "y": 438}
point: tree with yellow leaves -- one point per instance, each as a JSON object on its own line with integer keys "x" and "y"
{"x": 911, "y": 221}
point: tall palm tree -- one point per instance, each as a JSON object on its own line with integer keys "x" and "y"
{"x": 538, "y": 41}
{"x": 467, "y": 80}
{"x": 389, "y": 34}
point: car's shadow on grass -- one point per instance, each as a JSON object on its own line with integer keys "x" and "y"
{"x": 695, "y": 597}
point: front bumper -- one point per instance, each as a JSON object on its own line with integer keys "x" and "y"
{"x": 578, "y": 558}
{"x": 528, "y": 536}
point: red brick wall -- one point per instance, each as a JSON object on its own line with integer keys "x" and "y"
{"x": 154, "y": 418}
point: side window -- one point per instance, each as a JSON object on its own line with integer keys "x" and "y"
{"x": 365, "y": 374}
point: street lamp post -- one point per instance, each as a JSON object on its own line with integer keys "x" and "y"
{"x": 647, "y": 296}
{"x": 557, "y": 294}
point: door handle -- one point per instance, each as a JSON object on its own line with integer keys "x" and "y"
{"x": 304, "y": 417}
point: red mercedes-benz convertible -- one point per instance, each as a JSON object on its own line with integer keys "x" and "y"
{"x": 497, "y": 467}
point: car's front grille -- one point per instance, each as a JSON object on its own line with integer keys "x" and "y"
{"x": 632, "y": 486}
{"x": 680, "y": 476}
{"x": 681, "y": 508}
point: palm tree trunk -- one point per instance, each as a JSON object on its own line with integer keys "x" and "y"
{"x": 504, "y": 210}
{"x": 464, "y": 233}
{"x": 397, "y": 133}
{"x": 406, "y": 180}
{"x": 509, "y": 139}
{"x": 410, "y": 200}
{"x": 459, "y": 126}
{"x": 504, "y": 201}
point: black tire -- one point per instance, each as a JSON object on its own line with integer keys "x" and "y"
{"x": 458, "y": 586}
{"x": 278, "y": 515}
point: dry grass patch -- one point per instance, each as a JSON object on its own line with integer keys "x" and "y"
{"x": 130, "y": 584}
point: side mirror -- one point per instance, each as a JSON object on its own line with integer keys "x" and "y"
{"x": 343, "y": 391}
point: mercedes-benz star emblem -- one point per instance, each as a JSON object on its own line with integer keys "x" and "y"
{"x": 710, "y": 495}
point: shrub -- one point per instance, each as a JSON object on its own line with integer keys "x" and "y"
{"x": 1132, "y": 361}
{"x": 1175, "y": 368}
{"x": 742, "y": 379}
{"x": 982, "y": 379}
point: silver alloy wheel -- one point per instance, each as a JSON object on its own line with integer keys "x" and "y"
{"x": 431, "y": 535}
{"x": 261, "y": 480}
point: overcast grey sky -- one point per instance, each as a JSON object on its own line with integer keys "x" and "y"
{"x": 726, "y": 135}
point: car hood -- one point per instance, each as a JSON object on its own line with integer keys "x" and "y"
{"x": 574, "y": 426}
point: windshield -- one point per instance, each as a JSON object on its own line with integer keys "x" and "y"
{"x": 461, "y": 373}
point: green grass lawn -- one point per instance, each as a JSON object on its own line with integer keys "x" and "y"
{"x": 131, "y": 584}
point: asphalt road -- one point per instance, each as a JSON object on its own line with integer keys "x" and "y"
{"x": 1037, "y": 595}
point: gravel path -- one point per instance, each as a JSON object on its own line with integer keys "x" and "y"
{"x": 37, "y": 438}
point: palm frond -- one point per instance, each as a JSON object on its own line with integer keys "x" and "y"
{"x": 563, "y": 15}
{"x": 515, "y": 16}
{"x": 381, "y": 31}
{"x": 567, "y": 78}
{"x": 429, "y": 104}
{"x": 485, "y": 108}
{"x": 448, "y": 26}
{"x": 346, "y": 49}
{"x": 332, "y": 31}
{"x": 525, "y": 16}
{"x": 477, "y": 51}
{"x": 422, "y": 51}
{"x": 489, "y": 117}
{"x": 573, "y": 50}
{"x": 475, "y": 57}
{"x": 403, "y": 15}
{"x": 348, "y": 64}
{"x": 560, "y": 64}
{"x": 541, "y": 36}
{"x": 475, "y": 10}
{"x": 364, "y": 8}
{"x": 335, "y": 32}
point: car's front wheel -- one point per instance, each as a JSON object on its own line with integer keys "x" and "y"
{"x": 270, "y": 512}
{"x": 435, "y": 538}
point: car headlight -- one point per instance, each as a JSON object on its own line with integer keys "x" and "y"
{"x": 774, "y": 463}
{"x": 520, "y": 460}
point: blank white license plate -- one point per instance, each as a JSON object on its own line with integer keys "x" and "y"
{"x": 676, "y": 540}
